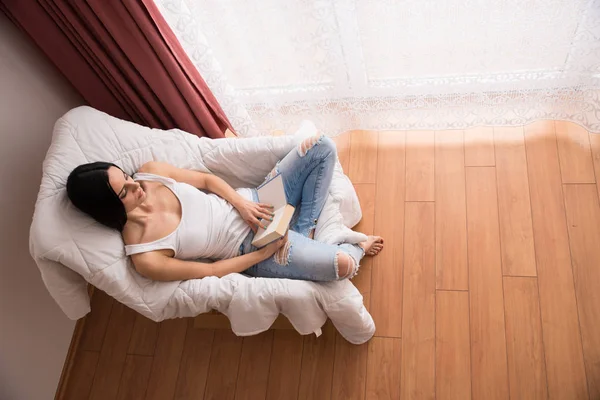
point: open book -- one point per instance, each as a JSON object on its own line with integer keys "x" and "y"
{"x": 273, "y": 193}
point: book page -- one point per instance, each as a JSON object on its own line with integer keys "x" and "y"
{"x": 273, "y": 192}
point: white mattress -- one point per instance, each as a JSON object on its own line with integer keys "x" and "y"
{"x": 71, "y": 249}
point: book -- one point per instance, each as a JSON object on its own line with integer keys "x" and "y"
{"x": 273, "y": 193}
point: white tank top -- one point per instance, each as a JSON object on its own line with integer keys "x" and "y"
{"x": 210, "y": 227}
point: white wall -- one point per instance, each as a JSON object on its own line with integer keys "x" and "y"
{"x": 34, "y": 333}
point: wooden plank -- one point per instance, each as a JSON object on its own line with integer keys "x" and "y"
{"x": 366, "y": 196}
{"x": 383, "y": 368}
{"x": 212, "y": 321}
{"x": 479, "y": 147}
{"x": 514, "y": 205}
{"x": 286, "y": 358}
{"x": 386, "y": 275}
{"x": 450, "y": 212}
{"x": 342, "y": 143}
{"x": 418, "y": 314}
{"x": 96, "y": 321}
{"x": 576, "y": 165}
{"x": 595, "y": 145}
{"x": 362, "y": 166}
{"x": 488, "y": 344}
{"x": 452, "y": 350}
{"x": 525, "y": 346}
{"x": 167, "y": 358}
{"x": 193, "y": 368}
{"x": 67, "y": 369}
{"x": 143, "y": 337}
{"x": 134, "y": 380}
{"x": 113, "y": 353}
{"x": 82, "y": 375}
{"x": 420, "y": 164}
{"x": 224, "y": 363}
{"x": 253, "y": 372}
{"x": 560, "y": 325}
{"x": 281, "y": 322}
{"x": 220, "y": 321}
{"x": 583, "y": 220}
{"x": 317, "y": 365}
{"x": 349, "y": 370}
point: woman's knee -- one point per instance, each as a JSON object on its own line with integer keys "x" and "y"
{"x": 307, "y": 144}
{"x": 326, "y": 145}
{"x": 346, "y": 266}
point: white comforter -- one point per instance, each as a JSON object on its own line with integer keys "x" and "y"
{"x": 71, "y": 249}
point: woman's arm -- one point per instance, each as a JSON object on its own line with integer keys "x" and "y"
{"x": 249, "y": 211}
{"x": 157, "y": 266}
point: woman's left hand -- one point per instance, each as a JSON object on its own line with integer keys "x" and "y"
{"x": 253, "y": 212}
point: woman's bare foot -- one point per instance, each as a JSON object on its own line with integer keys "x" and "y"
{"x": 372, "y": 246}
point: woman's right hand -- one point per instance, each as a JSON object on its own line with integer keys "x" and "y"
{"x": 272, "y": 247}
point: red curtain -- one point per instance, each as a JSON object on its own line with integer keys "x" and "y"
{"x": 124, "y": 60}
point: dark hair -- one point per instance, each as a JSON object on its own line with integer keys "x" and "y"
{"x": 89, "y": 190}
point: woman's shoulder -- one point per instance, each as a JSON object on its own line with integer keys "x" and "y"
{"x": 156, "y": 168}
{"x": 133, "y": 232}
{"x": 136, "y": 232}
{"x": 150, "y": 167}
{"x": 152, "y": 227}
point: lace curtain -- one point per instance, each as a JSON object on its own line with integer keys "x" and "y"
{"x": 391, "y": 64}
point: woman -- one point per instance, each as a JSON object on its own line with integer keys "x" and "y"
{"x": 166, "y": 222}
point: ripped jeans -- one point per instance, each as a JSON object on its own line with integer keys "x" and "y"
{"x": 307, "y": 171}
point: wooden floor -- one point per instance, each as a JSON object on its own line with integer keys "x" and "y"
{"x": 488, "y": 287}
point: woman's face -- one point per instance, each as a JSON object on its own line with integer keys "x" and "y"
{"x": 129, "y": 191}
